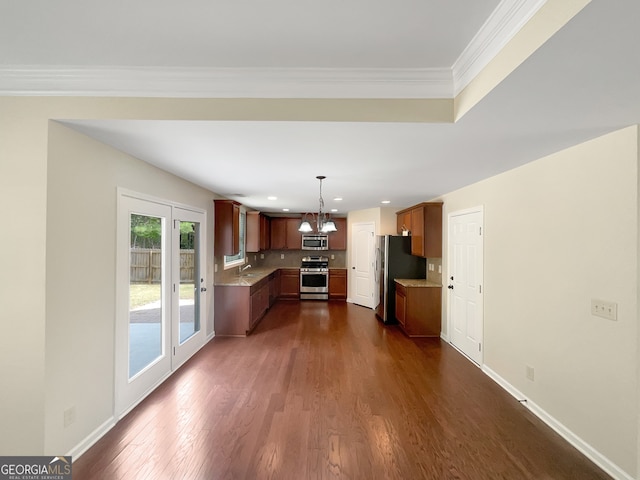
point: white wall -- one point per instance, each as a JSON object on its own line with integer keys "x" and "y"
{"x": 559, "y": 232}
{"x": 83, "y": 176}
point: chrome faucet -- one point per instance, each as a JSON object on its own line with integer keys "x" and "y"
{"x": 242, "y": 269}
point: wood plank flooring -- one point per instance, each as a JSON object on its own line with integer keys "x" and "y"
{"x": 325, "y": 391}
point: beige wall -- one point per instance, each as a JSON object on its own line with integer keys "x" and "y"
{"x": 559, "y": 232}
{"x": 83, "y": 177}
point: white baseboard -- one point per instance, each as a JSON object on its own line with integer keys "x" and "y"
{"x": 587, "y": 450}
{"x": 91, "y": 439}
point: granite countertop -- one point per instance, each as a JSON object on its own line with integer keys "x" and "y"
{"x": 417, "y": 282}
{"x": 247, "y": 278}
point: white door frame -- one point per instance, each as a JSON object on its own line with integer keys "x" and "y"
{"x": 446, "y": 280}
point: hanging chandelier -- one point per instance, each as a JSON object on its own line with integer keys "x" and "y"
{"x": 322, "y": 220}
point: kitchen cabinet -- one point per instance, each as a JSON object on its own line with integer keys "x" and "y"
{"x": 338, "y": 240}
{"x": 404, "y": 221}
{"x": 238, "y": 309}
{"x": 259, "y": 302}
{"x": 418, "y": 308}
{"x": 337, "y": 284}
{"x": 258, "y": 232}
{"x": 285, "y": 234}
{"x": 290, "y": 283}
{"x": 426, "y": 228}
{"x": 274, "y": 287}
{"x": 227, "y": 227}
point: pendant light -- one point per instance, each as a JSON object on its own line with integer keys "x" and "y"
{"x": 324, "y": 223}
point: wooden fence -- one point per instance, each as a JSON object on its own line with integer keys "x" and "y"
{"x": 146, "y": 263}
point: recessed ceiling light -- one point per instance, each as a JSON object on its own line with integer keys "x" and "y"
{"x": 338, "y": 199}
{"x": 385, "y": 201}
{"x": 334, "y": 209}
{"x": 285, "y": 209}
{"x": 271, "y": 197}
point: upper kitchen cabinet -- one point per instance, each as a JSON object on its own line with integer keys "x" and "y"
{"x": 258, "y": 232}
{"x": 227, "y": 227}
{"x": 285, "y": 234}
{"x": 426, "y": 228}
{"x": 338, "y": 239}
{"x": 404, "y": 221}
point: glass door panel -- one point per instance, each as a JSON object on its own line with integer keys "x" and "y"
{"x": 189, "y": 298}
{"x": 145, "y": 292}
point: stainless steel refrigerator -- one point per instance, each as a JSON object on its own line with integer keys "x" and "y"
{"x": 394, "y": 260}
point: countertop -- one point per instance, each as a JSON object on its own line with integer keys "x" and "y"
{"x": 253, "y": 276}
{"x": 247, "y": 278}
{"x": 416, "y": 282}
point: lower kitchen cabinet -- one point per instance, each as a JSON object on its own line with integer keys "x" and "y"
{"x": 290, "y": 283}
{"x": 337, "y": 284}
{"x": 419, "y": 309}
{"x": 238, "y": 309}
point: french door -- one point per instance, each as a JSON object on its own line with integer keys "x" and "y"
{"x": 159, "y": 294}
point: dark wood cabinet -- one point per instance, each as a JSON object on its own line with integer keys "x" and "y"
{"x": 274, "y": 287}
{"x": 425, "y": 224}
{"x": 238, "y": 309}
{"x": 227, "y": 227}
{"x": 338, "y": 239}
{"x": 404, "y": 221}
{"x": 259, "y": 302}
{"x": 337, "y": 284}
{"x": 258, "y": 232}
{"x": 290, "y": 283}
{"x": 285, "y": 234}
{"x": 401, "y": 304}
{"x": 418, "y": 310}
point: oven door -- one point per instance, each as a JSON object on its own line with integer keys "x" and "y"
{"x": 314, "y": 285}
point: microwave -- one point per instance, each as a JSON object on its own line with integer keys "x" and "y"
{"x": 315, "y": 242}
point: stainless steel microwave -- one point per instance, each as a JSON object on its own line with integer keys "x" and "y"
{"x": 315, "y": 242}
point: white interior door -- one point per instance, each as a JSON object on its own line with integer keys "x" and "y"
{"x": 189, "y": 286}
{"x": 465, "y": 282}
{"x": 363, "y": 264}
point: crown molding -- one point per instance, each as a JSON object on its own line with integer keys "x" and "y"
{"x": 503, "y": 24}
{"x": 31, "y": 80}
{"x": 184, "y": 82}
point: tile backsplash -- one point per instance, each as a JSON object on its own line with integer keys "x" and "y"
{"x": 434, "y": 270}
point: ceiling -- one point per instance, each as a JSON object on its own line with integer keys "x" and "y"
{"x": 583, "y": 82}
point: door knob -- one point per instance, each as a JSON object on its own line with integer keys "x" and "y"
{"x": 450, "y": 287}
{"x": 203, "y": 289}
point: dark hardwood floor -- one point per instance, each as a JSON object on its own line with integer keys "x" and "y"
{"x": 321, "y": 391}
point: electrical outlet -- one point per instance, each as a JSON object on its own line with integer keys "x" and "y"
{"x": 262, "y": 256}
{"x": 282, "y": 256}
{"x": 439, "y": 268}
{"x": 529, "y": 373}
{"x": 601, "y": 308}
{"x": 69, "y": 416}
{"x": 333, "y": 257}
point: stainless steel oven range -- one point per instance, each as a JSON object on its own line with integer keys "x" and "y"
{"x": 314, "y": 278}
